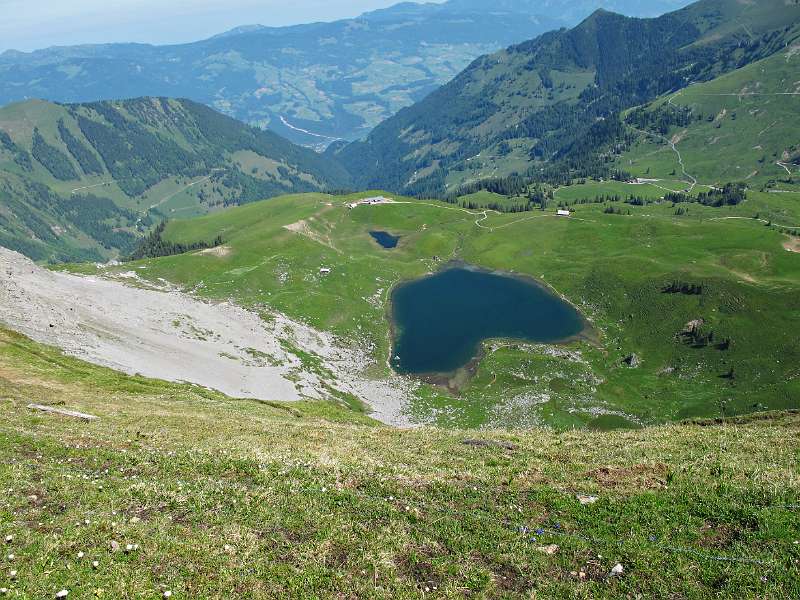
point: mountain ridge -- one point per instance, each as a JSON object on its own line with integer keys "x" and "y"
{"x": 534, "y": 104}
{"x": 83, "y": 181}
{"x": 334, "y": 80}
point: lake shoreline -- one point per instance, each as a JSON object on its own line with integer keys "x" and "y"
{"x": 454, "y": 380}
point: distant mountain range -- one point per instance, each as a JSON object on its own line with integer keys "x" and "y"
{"x": 311, "y": 83}
{"x": 83, "y": 181}
{"x": 553, "y": 106}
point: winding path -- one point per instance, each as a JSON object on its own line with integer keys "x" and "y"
{"x": 755, "y": 219}
{"x": 89, "y": 187}
{"x": 183, "y": 189}
{"x": 482, "y": 215}
{"x": 692, "y": 180}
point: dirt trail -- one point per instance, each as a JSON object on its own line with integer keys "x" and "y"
{"x": 173, "y": 336}
{"x": 184, "y": 188}
{"x": 304, "y": 227}
{"x": 672, "y": 143}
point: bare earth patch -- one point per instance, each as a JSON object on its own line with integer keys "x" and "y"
{"x": 173, "y": 336}
{"x": 643, "y": 476}
{"x": 792, "y": 244}
{"x": 218, "y": 251}
{"x": 303, "y": 227}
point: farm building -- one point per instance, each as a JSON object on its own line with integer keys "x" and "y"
{"x": 370, "y": 201}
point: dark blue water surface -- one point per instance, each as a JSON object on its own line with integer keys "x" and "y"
{"x": 441, "y": 320}
{"x": 385, "y": 239}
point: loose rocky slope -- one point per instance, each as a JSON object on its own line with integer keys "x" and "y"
{"x": 166, "y": 334}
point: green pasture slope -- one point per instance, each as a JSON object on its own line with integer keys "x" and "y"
{"x": 82, "y": 182}
{"x": 744, "y": 127}
{"x": 178, "y": 489}
{"x": 614, "y": 268}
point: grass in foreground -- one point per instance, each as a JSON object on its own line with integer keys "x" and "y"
{"x": 227, "y": 498}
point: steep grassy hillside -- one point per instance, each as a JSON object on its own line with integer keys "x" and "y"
{"x": 312, "y": 83}
{"x": 549, "y": 108}
{"x": 80, "y": 181}
{"x": 642, "y": 277}
{"x": 178, "y": 490}
{"x": 742, "y": 126}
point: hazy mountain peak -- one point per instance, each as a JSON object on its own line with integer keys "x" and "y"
{"x": 242, "y": 29}
{"x": 313, "y": 83}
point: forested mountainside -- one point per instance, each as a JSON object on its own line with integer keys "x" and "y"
{"x": 82, "y": 181}
{"x": 551, "y": 108}
{"x": 311, "y": 83}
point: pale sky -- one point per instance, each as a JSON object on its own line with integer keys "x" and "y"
{"x": 32, "y": 24}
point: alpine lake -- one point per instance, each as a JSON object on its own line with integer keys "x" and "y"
{"x": 440, "y": 321}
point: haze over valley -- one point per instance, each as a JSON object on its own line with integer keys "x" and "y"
{"x": 313, "y": 84}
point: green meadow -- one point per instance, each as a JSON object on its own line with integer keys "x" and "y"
{"x": 743, "y": 128}
{"x": 644, "y": 280}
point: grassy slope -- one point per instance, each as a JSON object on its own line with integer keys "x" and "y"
{"x": 18, "y": 121}
{"x": 753, "y": 126}
{"x": 176, "y": 194}
{"x": 613, "y": 267}
{"x": 236, "y": 498}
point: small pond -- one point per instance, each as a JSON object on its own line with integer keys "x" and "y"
{"x": 440, "y": 320}
{"x": 385, "y": 239}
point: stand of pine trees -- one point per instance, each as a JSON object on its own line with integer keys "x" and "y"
{"x": 154, "y": 245}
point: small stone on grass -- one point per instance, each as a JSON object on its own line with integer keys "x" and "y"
{"x": 549, "y": 550}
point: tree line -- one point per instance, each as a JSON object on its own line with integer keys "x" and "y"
{"x": 730, "y": 194}
{"x": 154, "y": 245}
{"x": 52, "y": 159}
